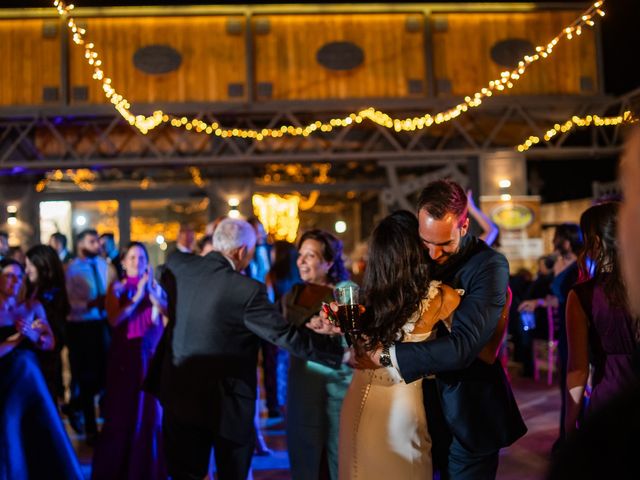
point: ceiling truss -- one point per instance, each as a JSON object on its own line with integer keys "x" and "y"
{"x": 97, "y": 138}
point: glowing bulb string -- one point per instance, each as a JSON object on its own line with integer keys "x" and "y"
{"x": 146, "y": 123}
{"x": 83, "y": 178}
{"x": 575, "y": 121}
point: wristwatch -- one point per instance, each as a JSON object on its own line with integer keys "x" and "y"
{"x": 385, "y": 357}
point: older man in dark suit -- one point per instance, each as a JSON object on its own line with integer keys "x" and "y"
{"x": 208, "y": 375}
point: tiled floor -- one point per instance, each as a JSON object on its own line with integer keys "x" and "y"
{"x": 527, "y": 459}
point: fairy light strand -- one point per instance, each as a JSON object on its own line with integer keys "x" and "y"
{"x": 144, "y": 124}
{"x": 84, "y": 178}
{"x": 81, "y": 177}
{"x": 575, "y": 121}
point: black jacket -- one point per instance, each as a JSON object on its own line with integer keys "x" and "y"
{"x": 208, "y": 372}
{"x": 477, "y": 400}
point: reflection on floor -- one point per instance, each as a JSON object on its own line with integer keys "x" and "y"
{"x": 527, "y": 459}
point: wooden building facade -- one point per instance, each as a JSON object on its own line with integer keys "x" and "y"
{"x": 265, "y": 53}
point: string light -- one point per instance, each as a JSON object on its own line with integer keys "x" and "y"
{"x": 83, "y": 178}
{"x": 278, "y": 214}
{"x": 196, "y": 177}
{"x": 575, "y": 121}
{"x": 507, "y": 80}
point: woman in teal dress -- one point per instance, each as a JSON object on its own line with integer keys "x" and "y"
{"x": 315, "y": 392}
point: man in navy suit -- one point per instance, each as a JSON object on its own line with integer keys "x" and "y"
{"x": 478, "y": 413}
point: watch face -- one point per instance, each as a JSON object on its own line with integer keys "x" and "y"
{"x": 385, "y": 360}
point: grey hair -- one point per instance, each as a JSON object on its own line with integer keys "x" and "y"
{"x": 233, "y": 233}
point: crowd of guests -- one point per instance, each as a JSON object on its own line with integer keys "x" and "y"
{"x": 105, "y": 306}
{"x": 137, "y": 339}
{"x": 578, "y": 299}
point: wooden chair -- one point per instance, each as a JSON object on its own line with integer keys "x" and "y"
{"x": 545, "y": 352}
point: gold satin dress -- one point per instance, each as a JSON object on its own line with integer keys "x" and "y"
{"x": 383, "y": 426}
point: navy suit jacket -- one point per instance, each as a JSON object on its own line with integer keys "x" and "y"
{"x": 208, "y": 370}
{"x": 476, "y": 398}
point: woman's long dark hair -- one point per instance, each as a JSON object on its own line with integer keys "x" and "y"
{"x": 599, "y": 256}
{"x": 331, "y": 252}
{"x": 284, "y": 259}
{"x": 396, "y": 278}
{"x": 51, "y": 282}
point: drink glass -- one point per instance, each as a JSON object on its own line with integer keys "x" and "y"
{"x": 346, "y": 296}
{"x": 528, "y": 320}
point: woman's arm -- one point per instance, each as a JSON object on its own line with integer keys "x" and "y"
{"x": 36, "y": 328}
{"x": 441, "y": 306}
{"x": 489, "y": 229}
{"x": 9, "y": 344}
{"x": 118, "y": 310}
{"x": 531, "y": 305}
{"x": 578, "y": 362}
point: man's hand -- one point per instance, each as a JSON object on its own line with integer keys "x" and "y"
{"x": 530, "y": 305}
{"x": 363, "y": 360}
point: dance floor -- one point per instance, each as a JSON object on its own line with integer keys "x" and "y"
{"x": 527, "y": 459}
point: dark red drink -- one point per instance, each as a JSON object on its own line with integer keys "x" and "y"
{"x": 349, "y": 316}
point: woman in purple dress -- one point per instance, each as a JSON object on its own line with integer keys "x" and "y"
{"x": 600, "y": 329}
{"x": 130, "y": 443}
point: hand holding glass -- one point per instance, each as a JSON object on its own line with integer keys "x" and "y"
{"x": 346, "y": 296}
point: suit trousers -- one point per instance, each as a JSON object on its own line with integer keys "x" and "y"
{"x": 438, "y": 427}
{"x": 88, "y": 344}
{"x": 270, "y": 376}
{"x": 188, "y": 448}
{"x": 466, "y": 465}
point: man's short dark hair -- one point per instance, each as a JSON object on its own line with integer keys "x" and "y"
{"x": 442, "y": 197}
{"x": 108, "y": 235}
{"x": 84, "y": 233}
{"x": 61, "y": 238}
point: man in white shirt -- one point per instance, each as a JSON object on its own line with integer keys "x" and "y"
{"x": 109, "y": 251}
{"x": 186, "y": 237}
{"x": 4, "y": 244}
{"x": 87, "y": 279}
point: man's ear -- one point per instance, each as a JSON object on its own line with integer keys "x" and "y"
{"x": 464, "y": 228}
{"x": 242, "y": 252}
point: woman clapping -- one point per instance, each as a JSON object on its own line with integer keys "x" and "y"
{"x": 33, "y": 442}
{"x": 130, "y": 444}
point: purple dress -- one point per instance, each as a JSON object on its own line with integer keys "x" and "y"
{"x": 130, "y": 443}
{"x": 611, "y": 344}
